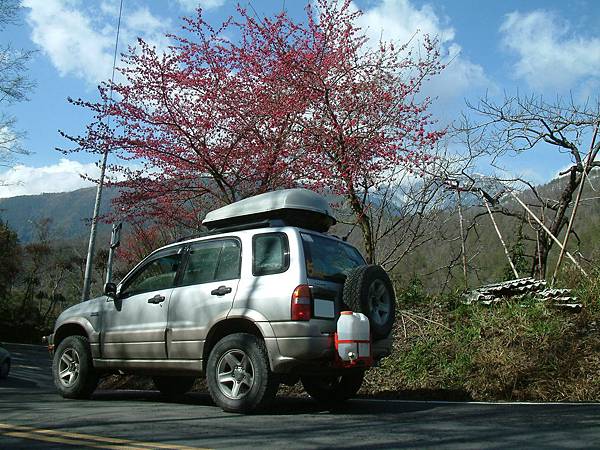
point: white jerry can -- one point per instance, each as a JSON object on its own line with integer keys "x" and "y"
{"x": 353, "y": 337}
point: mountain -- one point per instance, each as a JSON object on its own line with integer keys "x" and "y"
{"x": 70, "y": 213}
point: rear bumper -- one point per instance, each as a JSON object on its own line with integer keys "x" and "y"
{"x": 303, "y": 347}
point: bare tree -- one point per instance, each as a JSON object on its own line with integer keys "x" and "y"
{"x": 519, "y": 124}
{"x": 14, "y": 86}
{"x": 404, "y": 211}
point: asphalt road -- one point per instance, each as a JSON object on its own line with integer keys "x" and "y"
{"x": 33, "y": 416}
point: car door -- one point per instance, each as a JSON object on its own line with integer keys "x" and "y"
{"x": 204, "y": 296}
{"x": 134, "y": 324}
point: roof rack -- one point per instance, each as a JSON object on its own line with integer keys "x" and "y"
{"x": 271, "y": 223}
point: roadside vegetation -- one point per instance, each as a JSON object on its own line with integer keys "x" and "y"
{"x": 41, "y": 278}
{"x": 517, "y": 350}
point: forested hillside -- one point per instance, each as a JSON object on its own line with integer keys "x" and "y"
{"x": 435, "y": 264}
{"x": 69, "y": 211}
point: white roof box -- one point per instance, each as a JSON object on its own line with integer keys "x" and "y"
{"x": 295, "y": 207}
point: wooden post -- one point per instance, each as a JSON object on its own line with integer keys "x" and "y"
{"x": 539, "y": 251}
{"x": 588, "y": 164}
{"x": 506, "y": 252}
{"x": 545, "y": 228}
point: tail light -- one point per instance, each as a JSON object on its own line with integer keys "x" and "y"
{"x": 301, "y": 303}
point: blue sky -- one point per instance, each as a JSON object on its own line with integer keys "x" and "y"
{"x": 547, "y": 47}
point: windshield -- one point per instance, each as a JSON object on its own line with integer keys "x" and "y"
{"x": 329, "y": 259}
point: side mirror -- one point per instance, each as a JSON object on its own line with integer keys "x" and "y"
{"x": 110, "y": 290}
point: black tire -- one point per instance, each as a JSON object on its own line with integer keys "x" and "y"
{"x": 5, "y": 369}
{"x": 170, "y": 386}
{"x": 331, "y": 389}
{"x": 368, "y": 290}
{"x": 80, "y": 379}
{"x": 251, "y": 385}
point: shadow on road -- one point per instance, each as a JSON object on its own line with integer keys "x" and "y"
{"x": 291, "y": 406}
{"x": 13, "y": 382}
{"x": 281, "y": 406}
{"x": 30, "y": 368}
{"x": 361, "y": 423}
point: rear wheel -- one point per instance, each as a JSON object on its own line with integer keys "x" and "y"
{"x": 332, "y": 389}
{"x": 238, "y": 375}
{"x": 170, "y": 386}
{"x": 4, "y": 369}
{"x": 73, "y": 369}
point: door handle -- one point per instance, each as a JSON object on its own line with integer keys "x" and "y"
{"x": 221, "y": 290}
{"x": 156, "y": 299}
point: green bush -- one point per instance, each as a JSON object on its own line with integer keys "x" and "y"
{"x": 412, "y": 294}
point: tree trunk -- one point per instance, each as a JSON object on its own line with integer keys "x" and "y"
{"x": 540, "y": 261}
{"x": 365, "y": 225}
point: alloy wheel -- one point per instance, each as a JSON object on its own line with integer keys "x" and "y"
{"x": 235, "y": 374}
{"x": 68, "y": 367}
{"x": 379, "y": 302}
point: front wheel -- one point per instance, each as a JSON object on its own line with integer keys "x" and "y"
{"x": 238, "y": 375}
{"x": 331, "y": 389}
{"x": 73, "y": 369}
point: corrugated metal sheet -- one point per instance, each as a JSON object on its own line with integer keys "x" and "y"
{"x": 519, "y": 288}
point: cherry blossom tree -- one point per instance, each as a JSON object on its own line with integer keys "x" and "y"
{"x": 215, "y": 119}
{"x": 364, "y": 118}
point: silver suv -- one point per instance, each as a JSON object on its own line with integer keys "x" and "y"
{"x": 251, "y": 304}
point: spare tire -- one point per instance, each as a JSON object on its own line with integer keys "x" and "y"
{"x": 368, "y": 290}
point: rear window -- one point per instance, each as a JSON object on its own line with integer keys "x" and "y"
{"x": 329, "y": 259}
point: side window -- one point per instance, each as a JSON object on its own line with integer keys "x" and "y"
{"x": 212, "y": 261}
{"x": 156, "y": 275}
{"x": 229, "y": 262}
{"x": 271, "y": 254}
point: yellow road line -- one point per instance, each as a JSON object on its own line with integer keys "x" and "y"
{"x": 67, "y": 437}
{"x": 59, "y": 440}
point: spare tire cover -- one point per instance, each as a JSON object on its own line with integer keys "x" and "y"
{"x": 369, "y": 290}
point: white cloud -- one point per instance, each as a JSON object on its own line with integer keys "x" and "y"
{"x": 61, "y": 177}
{"x": 142, "y": 19}
{"x": 110, "y": 7}
{"x": 191, "y": 5}
{"x": 143, "y": 23}
{"x": 81, "y": 41}
{"x": 549, "y": 55}
{"x": 399, "y": 21}
{"x": 69, "y": 39}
